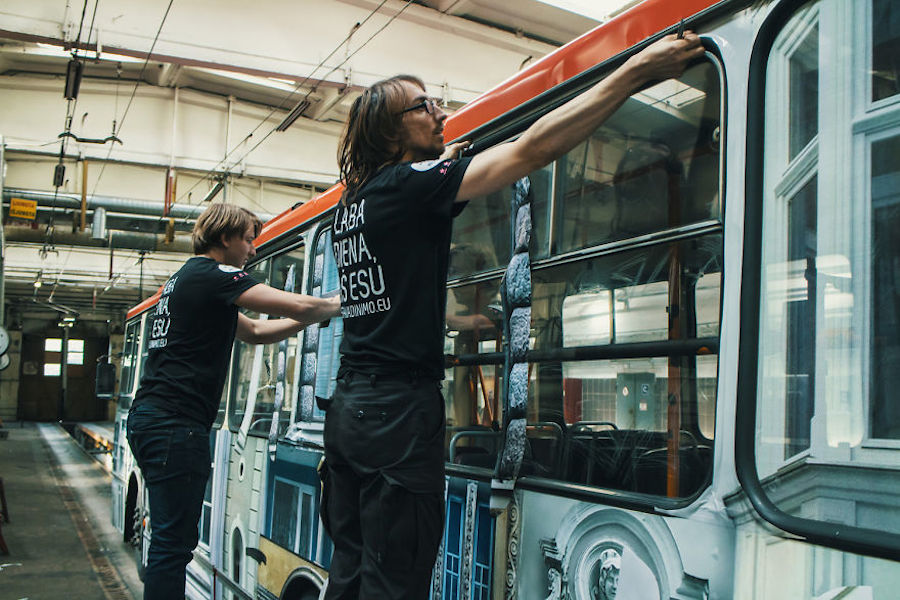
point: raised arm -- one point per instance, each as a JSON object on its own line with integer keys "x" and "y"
{"x": 300, "y": 309}
{"x": 565, "y": 127}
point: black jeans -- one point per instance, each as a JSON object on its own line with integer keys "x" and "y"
{"x": 175, "y": 464}
{"x": 383, "y": 495}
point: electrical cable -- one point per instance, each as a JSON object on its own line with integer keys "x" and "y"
{"x": 121, "y": 121}
{"x": 266, "y": 118}
{"x": 353, "y": 30}
{"x": 215, "y": 169}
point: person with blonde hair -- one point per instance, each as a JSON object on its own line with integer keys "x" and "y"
{"x": 191, "y": 332}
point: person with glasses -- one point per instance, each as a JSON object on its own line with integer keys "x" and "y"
{"x": 383, "y": 492}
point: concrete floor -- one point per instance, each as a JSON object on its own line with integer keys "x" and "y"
{"x": 61, "y": 541}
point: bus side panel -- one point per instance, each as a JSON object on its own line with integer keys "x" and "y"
{"x": 299, "y": 550}
{"x": 244, "y": 500}
{"x": 583, "y": 550}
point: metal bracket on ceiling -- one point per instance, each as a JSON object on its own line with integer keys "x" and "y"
{"x": 109, "y": 138}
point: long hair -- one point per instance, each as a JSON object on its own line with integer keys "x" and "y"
{"x": 371, "y": 138}
{"x": 220, "y": 220}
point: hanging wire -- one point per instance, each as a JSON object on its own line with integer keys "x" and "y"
{"x": 91, "y": 26}
{"x": 80, "y": 25}
{"x": 215, "y": 170}
{"x": 348, "y": 57}
{"x": 140, "y": 78}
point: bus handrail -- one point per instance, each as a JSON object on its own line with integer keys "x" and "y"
{"x": 486, "y": 433}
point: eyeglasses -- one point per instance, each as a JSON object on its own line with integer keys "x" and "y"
{"x": 429, "y": 104}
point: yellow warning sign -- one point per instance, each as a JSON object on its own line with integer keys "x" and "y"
{"x": 22, "y": 209}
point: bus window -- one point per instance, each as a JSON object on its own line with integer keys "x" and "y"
{"x": 287, "y": 273}
{"x": 607, "y": 422}
{"x": 826, "y": 365}
{"x": 472, "y": 391}
{"x": 653, "y": 168}
{"x": 144, "y": 349}
{"x": 243, "y": 357}
{"x": 129, "y": 363}
{"x": 272, "y": 365}
{"x": 481, "y": 239}
{"x": 653, "y": 165}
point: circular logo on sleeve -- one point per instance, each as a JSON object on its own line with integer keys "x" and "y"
{"x": 228, "y": 269}
{"x": 425, "y": 165}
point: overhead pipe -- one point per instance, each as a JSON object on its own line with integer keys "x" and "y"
{"x": 116, "y": 220}
{"x": 149, "y": 242}
{"x": 98, "y": 224}
{"x": 122, "y": 205}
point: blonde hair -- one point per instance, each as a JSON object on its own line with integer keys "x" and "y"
{"x": 221, "y": 220}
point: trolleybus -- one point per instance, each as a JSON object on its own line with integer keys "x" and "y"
{"x": 670, "y": 353}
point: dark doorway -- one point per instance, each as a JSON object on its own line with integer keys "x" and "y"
{"x": 40, "y": 385}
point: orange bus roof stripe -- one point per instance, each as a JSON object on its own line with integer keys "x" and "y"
{"x": 600, "y": 44}
{"x": 148, "y": 303}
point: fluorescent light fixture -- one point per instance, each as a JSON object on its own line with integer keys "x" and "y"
{"x": 110, "y": 56}
{"x": 214, "y": 191}
{"x": 599, "y": 10}
{"x": 293, "y": 115}
{"x": 269, "y": 82}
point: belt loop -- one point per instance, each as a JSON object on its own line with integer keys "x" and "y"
{"x": 372, "y": 379}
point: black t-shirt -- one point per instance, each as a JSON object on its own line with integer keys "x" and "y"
{"x": 190, "y": 337}
{"x": 391, "y": 243}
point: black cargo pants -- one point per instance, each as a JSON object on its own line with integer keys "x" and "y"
{"x": 383, "y": 495}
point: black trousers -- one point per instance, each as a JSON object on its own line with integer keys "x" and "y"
{"x": 383, "y": 495}
{"x": 175, "y": 463}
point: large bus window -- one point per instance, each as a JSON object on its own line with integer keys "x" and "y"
{"x": 129, "y": 363}
{"x": 472, "y": 392}
{"x": 143, "y": 348}
{"x": 243, "y": 359}
{"x": 644, "y": 423}
{"x": 608, "y": 423}
{"x": 287, "y": 274}
{"x": 653, "y": 165}
{"x": 825, "y": 255}
{"x": 481, "y": 240}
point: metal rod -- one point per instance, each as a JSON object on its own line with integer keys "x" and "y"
{"x": 2, "y": 238}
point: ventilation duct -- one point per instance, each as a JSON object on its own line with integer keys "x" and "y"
{"x": 98, "y": 224}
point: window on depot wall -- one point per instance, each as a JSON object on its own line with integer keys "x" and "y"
{"x": 53, "y": 349}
